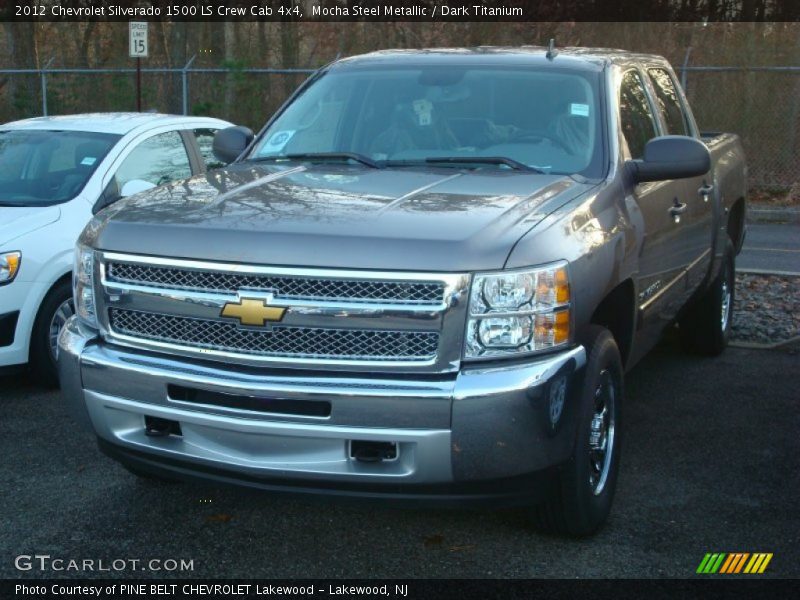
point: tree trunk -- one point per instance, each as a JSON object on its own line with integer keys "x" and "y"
{"x": 23, "y": 90}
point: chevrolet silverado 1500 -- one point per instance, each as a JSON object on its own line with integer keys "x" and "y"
{"x": 423, "y": 280}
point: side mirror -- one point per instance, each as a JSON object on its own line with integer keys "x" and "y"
{"x": 230, "y": 142}
{"x": 671, "y": 157}
{"x": 134, "y": 186}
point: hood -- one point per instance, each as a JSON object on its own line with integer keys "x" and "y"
{"x": 338, "y": 216}
{"x": 16, "y": 221}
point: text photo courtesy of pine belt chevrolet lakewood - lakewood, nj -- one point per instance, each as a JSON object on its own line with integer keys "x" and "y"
{"x": 266, "y": 279}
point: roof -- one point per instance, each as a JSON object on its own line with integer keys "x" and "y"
{"x": 593, "y": 59}
{"x": 118, "y": 123}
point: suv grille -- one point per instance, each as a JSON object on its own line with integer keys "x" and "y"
{"x": 290, "y": 287}
{"x": 292, "y": 342}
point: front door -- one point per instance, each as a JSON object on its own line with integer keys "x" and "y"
{"x": 661, "y": 280}
{"x": 695, "y": 192}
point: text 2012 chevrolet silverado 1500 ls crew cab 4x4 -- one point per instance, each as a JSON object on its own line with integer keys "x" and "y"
{"x": 423, "y": 280}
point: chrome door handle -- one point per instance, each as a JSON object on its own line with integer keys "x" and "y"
{"x": 705, "y": 191}
{"x": 677, "y": 210}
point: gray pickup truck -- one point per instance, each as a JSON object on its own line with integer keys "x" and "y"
{"x": 422, "y": 281}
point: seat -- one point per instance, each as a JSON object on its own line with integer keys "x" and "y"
{"x": 414, "y": 126}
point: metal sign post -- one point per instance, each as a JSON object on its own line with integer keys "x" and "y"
{"x": 137, "y": 47}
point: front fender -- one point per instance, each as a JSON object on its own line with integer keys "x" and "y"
{"x": 598, "y": 235}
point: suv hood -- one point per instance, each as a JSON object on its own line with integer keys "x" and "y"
{"x": 16, "y": 221}
{"x": 337, "y": 216}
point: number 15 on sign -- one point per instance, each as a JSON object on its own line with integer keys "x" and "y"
{"x": 137, "y": 31}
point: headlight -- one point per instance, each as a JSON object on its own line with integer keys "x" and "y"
{"x": 83, "y": 285}
{"x": 9, "y": 266}
{"x": 518, "y": 312}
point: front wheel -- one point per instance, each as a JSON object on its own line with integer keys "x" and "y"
{"x": 584, "y": 489}
{"x": 56, "y": 308}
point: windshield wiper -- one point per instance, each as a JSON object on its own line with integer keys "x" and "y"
{"x": 487, "y": 160}
{"x": 355, "y": 156}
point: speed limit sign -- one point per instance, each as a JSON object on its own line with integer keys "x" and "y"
{"x": 137, "y": 36}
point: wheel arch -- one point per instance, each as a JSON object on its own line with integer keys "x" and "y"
{"x": 736, "y": 224}
{"x": 617, "y": 313}
{"x": 65, "y": 277}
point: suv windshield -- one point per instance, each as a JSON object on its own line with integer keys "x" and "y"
{"x": 544, "y": 120}
{"x": 48, "y": 167}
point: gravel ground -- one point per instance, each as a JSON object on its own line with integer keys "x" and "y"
{"x": 767, "y": 308}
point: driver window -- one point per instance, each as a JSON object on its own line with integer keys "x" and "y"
{"x": 157, "y": 160}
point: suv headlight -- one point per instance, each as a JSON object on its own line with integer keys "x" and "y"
{"x": 9, "y": 266}
{"x": 83, "y": 285}
{"x": 518, "y": 312}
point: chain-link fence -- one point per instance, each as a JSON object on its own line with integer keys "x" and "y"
{"x": 241, "y": 95}
{"x": 761, "y": 104}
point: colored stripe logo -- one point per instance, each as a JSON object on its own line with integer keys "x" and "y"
{"x": 734, "y": 562}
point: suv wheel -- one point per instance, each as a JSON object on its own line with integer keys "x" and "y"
{"x": 706, "y": 326}
{"x": 56, "y": 308}
{"x": 581, "y": 499}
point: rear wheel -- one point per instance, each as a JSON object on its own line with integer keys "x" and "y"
{"x": 56, "y": 308}
{"x": 705, "y": 328}
{"x": 584, "y": 489}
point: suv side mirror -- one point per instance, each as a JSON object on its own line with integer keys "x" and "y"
{"x": 671, "y": 157}
{"x": 134, "y": 186}
{"x": 112, "y": 193}
{"x": 230, "y": 142}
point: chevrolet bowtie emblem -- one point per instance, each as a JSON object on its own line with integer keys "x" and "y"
{"x": 252, "y": 312}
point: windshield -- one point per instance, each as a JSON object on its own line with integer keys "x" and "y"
{"x": 544, "y": 120}
{"x": 48, "y": 167}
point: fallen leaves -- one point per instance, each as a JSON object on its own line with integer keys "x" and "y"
{"x": 219, "y": 518}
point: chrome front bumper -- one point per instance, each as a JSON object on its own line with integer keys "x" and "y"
{"x": 481, "y": 424}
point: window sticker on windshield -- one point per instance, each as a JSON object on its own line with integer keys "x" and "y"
{"x": 423, "y": 108}
{"x": 89, "y": 161}
{"x": 579, "y": 110}
{"x": 278, "y": 141}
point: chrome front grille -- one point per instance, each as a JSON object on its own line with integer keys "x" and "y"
{"x": 298, "y": 342}
{"x": 291, "y": 287}
{"x": 334, "y": 319}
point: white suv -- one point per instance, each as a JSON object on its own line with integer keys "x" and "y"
{"x": 57, "y": 171}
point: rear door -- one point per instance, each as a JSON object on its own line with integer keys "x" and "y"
{"x": 157, "y": 159}
{"x": 200, "y": 142}
{"x": 661, "y": 282}
{"x": 695, "y": 192}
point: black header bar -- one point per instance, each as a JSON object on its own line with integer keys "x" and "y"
{"x": 440, "y": 11}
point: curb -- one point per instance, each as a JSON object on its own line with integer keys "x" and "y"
{"x": 768, "y": 272}
{"x": 757, "y": 346}
{"x": 773, "y": 215}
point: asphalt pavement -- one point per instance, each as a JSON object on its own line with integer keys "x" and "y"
{"x": 771, "y": 247}
{"x": 710, "y": 464}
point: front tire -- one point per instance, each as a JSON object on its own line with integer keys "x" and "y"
{"x": 54, "y": 311}
{"x": 584, "y": 488}
{"x": 705, "y": 328}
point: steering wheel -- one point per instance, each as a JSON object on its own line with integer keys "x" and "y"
{"x": 527, "y": 136}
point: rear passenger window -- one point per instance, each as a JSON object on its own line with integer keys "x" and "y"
{"x": 668, "y": 102}
{"x": 205, "y": 142}
{"x": 636, "y": 118}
